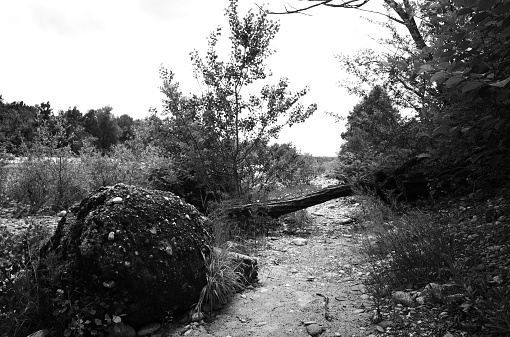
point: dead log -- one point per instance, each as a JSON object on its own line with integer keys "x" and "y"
{"x": 276, "y": 209}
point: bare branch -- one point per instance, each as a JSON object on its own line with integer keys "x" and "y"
{"x": 345, "y": 4}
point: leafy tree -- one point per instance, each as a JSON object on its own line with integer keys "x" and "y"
{"x": 18, "y": 122}
{"x": 376, "y": 135}
{"x": 102, "y": 125}
{"x": 469, "y": 64}
{"x": 221, "y": 129}
{"x": 125, "y": 123}
{"x": 72, "y": 118}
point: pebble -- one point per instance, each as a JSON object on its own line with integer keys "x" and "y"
{"x": 403, "y": 298}
{"x": 314, "y": 329}
{"x": 299, "y": 241}
{"x": 116, "y": 200}
{"x": 197, "y": 317}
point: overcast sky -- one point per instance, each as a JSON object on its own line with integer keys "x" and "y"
{"x": 93, "y": 53}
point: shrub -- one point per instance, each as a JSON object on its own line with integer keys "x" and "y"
{"x": 21, "y": 311}
{"x": 407, "y": 249}
{"x": 40, "y": 181}
{"x": 223, "y": 279}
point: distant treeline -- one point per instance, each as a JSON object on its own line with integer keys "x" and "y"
{"x": 20, "y": 122}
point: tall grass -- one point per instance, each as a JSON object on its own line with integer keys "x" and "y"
{"x": 406, "y": 247}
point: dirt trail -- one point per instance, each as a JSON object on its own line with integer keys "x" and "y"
{"x": 318, "y": 282}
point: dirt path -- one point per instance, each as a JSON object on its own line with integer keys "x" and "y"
{"x": 318, "y": 282}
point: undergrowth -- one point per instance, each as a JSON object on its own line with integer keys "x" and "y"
{"x": 407, "y": 249}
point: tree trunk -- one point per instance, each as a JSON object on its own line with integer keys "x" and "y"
{"x": 394, "y": 184}
{"x": 278, "y": 208}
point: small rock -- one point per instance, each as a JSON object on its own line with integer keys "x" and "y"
{"x": 309, "y": 322}
{"x": 109, "y": 284}
{"x": 299, "y": 241}
{"x": 61, "y": 214}
{"x": 148, "y": 329}
{"x": 314, "y": 329}
{"x": 116, "y": 200}
{"x": 197, "y": 316}
{"x": 420, "y": 300}
{"x": 481, "y": 267}
{"x": 40, "y": 333}
{"x": 403, "y": 298}
{"x": 261, "y": 324}
{"x": 122, "y": 330}
{"x": 365, "y": 297}
{"x": 380, "y": 328}
{"x": 359, "y": 311}
{"x": 111, "y": 236}
{"x": 344, "y": 221}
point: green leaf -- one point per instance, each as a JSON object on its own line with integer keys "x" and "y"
{"x": 439, "y": 77}
{"x": 500, "y": 84}
{"x": 480, "y": 17}
{"x": 425, "y": 68}
{"x": 471, "y": 86}
{"x": 453, "y": 81}
{"x": 464, "y": 11}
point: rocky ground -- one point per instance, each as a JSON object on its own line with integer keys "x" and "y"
{"x": 310, "y": 283}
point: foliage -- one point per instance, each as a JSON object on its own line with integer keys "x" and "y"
{"x": 17, "y": 123}
{"x": 376, "y": 135}
{"x": 48, "y": 174}
{"x": 102, "y": 125}
{"x": 410, "y": 248}
{"x": 468, "y": 63}
{"x": 20, "y": 309}
{"x": 223, "y": 279}
{"x": 452, "y": 70}
{"x": 130, "y": 163}
{"x": 278, "y": 166}
{"x": 221, "y": 130}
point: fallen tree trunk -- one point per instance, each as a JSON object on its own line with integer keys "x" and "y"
{"x": 278, "y": 208}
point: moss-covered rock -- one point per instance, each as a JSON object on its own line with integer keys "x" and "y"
{"x": 130, "y": 251}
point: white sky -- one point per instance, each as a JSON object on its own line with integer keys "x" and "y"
{"x": 93, "y": 53}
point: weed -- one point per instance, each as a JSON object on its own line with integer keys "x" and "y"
{"x": 298, "y": 222}
{"x": 223, "y": 279}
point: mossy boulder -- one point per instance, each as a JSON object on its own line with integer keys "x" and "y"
{"x": 131, "y": 252}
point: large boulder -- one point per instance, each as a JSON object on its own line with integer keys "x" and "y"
{"x": 129, "y": 251}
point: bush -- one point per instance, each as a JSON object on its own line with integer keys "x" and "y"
{"x": 21, "y": 311}
{"x": 40, "y": 181}
{"x": 407, "y": 249}
{"x": 223, "y": 279}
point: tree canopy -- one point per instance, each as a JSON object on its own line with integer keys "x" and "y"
{"x": 221, "y": 129}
